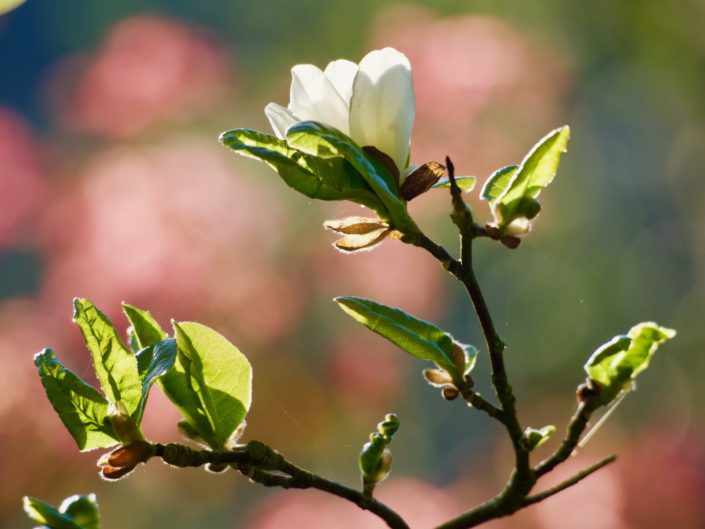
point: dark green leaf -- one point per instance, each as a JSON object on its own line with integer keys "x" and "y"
{"x": 323, "y": 141}
{"x": 145, "y": 328}
{"x": 47, "y": 515}
{"x": 83, "y": 509}
{"x": 115, "y": 365}
{"x": 81, "y": 407}
{"x": 153, "y": 362}
{"x": 211, "y": 383}
{"x": 614, "y": 365}
{"x": 416, "y": 337}
{"x": 324, "y": 179}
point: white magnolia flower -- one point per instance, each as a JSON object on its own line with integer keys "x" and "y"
{"x": 372, "y": 102}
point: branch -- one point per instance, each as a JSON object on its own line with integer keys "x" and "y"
{"x": 530, "y": 500}
{"x": 576, "y": 426}
{"x": 268, "y": 467}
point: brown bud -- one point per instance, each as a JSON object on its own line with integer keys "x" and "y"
{"x": 130, "y": 455}
{"x": 385, "y": 160}
{"x": 356, "y": 243}
{"x": 216, "y": 468}
{"x": 587, "y": 390}
{"x": 421, "y": 180}
{"x": 437, "y": 377}
{"x": 450, "y": 392}
{"x": 459, "y": 357}
{"x": 115, "y": 473}
{"x": 355, "y": 225}
{"x": 493, "y": 232}
{"x": 510, "y": 241}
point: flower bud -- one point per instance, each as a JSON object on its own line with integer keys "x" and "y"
{"x": 450, "y": 392}
{"x": 126, "y": 430}
{"x": 437, "y": 377}
{"x": 130, "y": 455}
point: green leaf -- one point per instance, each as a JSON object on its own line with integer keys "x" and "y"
{"x": 81, "y": 407}
{"x": 8, "y": 5}
{"x": 416, "y": 337}
{"x": 323, "y": 141}
{"x": 533, "y": 438}
{"x": 145, "y": 328}
{"x": 211, "y": 382}
{"x": 83, "y": 509}
{"x": 47, "y": 515}
{"x": 324, "y": 179}
{"x": 115, "y": 365}
{"x": 152, "y": 363}
{"x": 497, "y": 183}
{"x": 518, "y": 200}
{"x": 615, "y": 365}
{"x": 465, "y": 183}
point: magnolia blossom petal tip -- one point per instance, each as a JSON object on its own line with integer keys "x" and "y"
{"x": 341, "y": 73}
{"x": 280, "y": 118}
{"x": 382, "y": 108}
{"x": 313, "y": 97}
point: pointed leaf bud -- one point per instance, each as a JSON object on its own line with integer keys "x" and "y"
{"x": 421, "y": 180}
{"x": 437, "y": 377}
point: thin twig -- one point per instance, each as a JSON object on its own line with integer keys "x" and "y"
{"x": 268, "y": 467}
{"x": 535, "y": 498}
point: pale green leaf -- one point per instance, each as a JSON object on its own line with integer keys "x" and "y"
{"x": 416, "y": 337}
{"x": 323, "y": 141}
{"x": 115, "y": 365}
{"x": 145, "y": 328}
{"x": 497, "y": 183}
{"x": 81, "y": 407}
{"x": 534, "y": 438}
{"x": 518, "y": 200}
{"x": 48, "y": 515}
{"x": 614, "y": 365}
{"x": 324, "y": 179}
{"x": 83, "y": 509}
{"x": 211, "y": 383}
{"x": 465, "y": 183}
{"x": 8, "y": 5}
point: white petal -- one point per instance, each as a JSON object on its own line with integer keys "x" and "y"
{"x": 280, "y": 118}
{"x": 313, "y": 97}
{"x": 382, "y": 107}
{"x": 341, "y": 74}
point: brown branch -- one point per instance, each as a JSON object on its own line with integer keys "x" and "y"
{"x": 268, "y": 467}
{"x": 535, "y": 498}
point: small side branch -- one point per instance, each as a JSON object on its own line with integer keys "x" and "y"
{"x": 576, "y": 427}
{"x": 535, "y": 498}
{"x": 262, "y": 464}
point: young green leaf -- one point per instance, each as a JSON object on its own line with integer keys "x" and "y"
{"x": 82, "y": 409}
{"x": 153, "y": 362}
{"x": 211, "y": 382}
{"x": 146, "y": 329}
{"x": 323, "y": 141}
{"x": 115, "y": 365}
{"x": 534, "y": 438}
{"x": 48, "y": 515}
{"x": 512, "y": 193}
{"x": 465, "y": 183}
{"x": 83, "y": 509}
{"x": 614, "y": 365}
{"x": 416, "y": 337}
{"x": 324, "y": 179}
{"x": 497, "y": 183}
